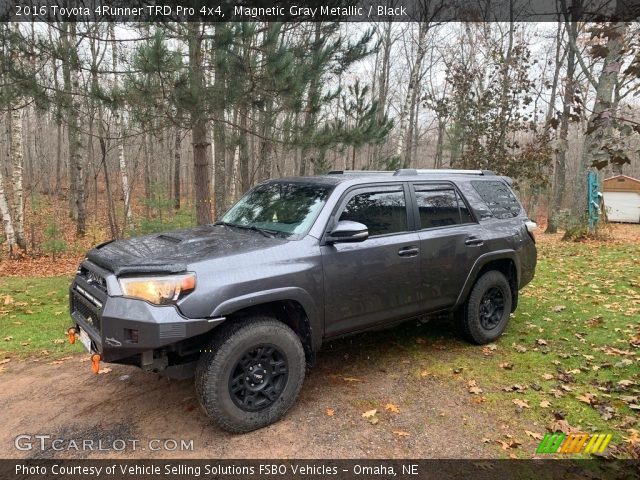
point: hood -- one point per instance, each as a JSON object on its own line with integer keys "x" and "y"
{"x": 171, "y": 252}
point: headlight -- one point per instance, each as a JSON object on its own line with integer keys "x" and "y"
{"x": 158, "y": 290}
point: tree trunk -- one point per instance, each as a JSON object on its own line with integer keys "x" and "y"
{"x": 219, "y": 138}
{"x": 311, "y": 107}
{"x": 148, "y": 152}
{"x": 244, "y": 148}
{"x": 201, "y": 158}
{"x": 265, "y": 142}
{"x": 440, "y": 143}
{"x": 560, "y": 168}
{"x": 598, "y": 131}
{"x": 411, "y": 96}
{"x": 117, "y": 120}
{"x": 76, "y": 147}
{"x": 177, "y": 156}
{"x": 16, "y": 177}
{"x": 7, "y": 221}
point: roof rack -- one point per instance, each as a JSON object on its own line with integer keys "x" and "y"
{"x": 412, "y": 171}
{"x": 361, "y": 172}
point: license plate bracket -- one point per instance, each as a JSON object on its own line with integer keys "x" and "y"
{"x": 85, "y": 339}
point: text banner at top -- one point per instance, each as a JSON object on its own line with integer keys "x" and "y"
{"x": 314, "y": 10}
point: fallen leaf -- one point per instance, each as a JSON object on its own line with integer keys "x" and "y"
{"x": 390, "y": 407}
{"x": 561, "y": 426}
{"x": 588, "y": 398}
{"x": 558, "y": 308}
{"x": 401, "y": 433}
{"x": 506, "y": 365}
{"x": 6, "y": 360}
{"x": 104, "y": 370}
{"x": 515, "y": 388}
{"x": 330, "y": 412}
{"x": 534, "y": 435}
{"x": 58, "y": 341}
{"x": 351, "y": 379}
{"x": 489, "y": 349}
{"x": 521, "y": 403}
{"x": 424, "y": 374}
{"x": 541, "y": 342}
{"x": 8, "y": 339}
{"x": 547, "y": 376}
{"x": 545, "y": 404}
{"x": 370, "y": 413}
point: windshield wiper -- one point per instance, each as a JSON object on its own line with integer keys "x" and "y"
{"x": 266, "y": 233}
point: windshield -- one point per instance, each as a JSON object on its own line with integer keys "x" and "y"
{"x": 288, "y": 208}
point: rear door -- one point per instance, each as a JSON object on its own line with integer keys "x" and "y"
{"x": 378, "y": 279}
{"x": 450, "y": 242}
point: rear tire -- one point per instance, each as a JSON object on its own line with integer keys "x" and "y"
{"x": 250, "y": 374}
{"x": 485, "y": 314}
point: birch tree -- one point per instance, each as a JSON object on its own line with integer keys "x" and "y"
{"x": 117, "y": 120}
{"x": 403, "y": 141}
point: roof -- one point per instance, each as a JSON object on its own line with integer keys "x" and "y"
{"x": 621, "y": 183}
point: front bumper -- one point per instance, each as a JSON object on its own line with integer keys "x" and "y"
{"x": 110, "y": 320}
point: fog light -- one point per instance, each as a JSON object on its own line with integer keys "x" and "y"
{"x": 131, "y": 335}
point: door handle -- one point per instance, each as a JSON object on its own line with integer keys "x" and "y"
{"x": 473, "y": 241}
{"x": 411, "y": 251}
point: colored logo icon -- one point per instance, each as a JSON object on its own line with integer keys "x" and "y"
{"x": 574, "y": 443}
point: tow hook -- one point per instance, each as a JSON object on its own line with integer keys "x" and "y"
{"x": 95, "y": 362}
{"x": 71, "y": 333}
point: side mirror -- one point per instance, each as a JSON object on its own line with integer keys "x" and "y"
{"x": 348, "y": 231}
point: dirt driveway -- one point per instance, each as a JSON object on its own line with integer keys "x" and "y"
{"x": 420, "y": 415}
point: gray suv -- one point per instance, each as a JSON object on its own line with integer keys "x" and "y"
{"x": 245, "y": 303}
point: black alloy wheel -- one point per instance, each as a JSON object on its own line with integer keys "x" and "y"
{"x": 258, "y": 378}
{"x": 491, "y": 308}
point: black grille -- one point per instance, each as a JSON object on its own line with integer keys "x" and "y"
{"x": 88, "y": 314}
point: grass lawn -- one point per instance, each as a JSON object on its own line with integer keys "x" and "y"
{"x": 570, "y": 358}
{"x": 568, "y": 361}
{"x": 34, "y": 316}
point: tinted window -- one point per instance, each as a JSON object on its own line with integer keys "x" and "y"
{"x": 465, "y": 214}
{"x": 440, "y": 208}
{"x": 282, "y": 207}
{"x": 381, "y": 212}
{"x": 498, "y": 197}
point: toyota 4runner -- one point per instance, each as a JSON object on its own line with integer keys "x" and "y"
{"x": 244, "y": 304}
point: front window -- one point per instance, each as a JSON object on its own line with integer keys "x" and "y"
{"x": 287, "y": 208}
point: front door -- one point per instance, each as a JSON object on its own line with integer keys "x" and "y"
{"x": 378, "y": 279}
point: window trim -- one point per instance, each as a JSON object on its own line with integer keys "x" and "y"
{"x": 439, "y": 185}
{"x": 351, "y": 192}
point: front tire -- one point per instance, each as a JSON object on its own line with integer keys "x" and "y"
{"x": 486, "y": 312}
{"x": 251, "y": 374}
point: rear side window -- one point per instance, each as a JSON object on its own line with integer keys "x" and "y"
{"x": 382, "y": 212}
{"x": 498, "y": 197}
{"x": 441, "y": 207}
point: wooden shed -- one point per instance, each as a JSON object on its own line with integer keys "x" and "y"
{"x": 622, "y": 199}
